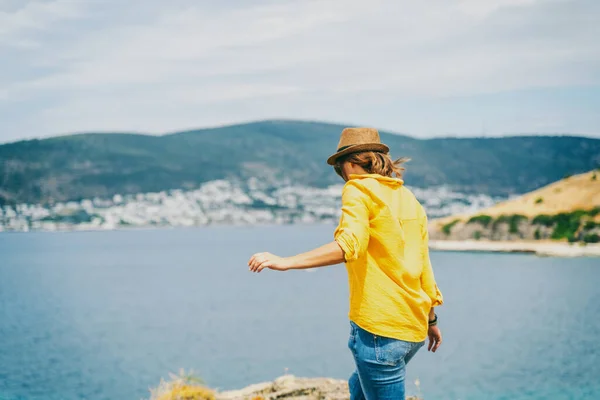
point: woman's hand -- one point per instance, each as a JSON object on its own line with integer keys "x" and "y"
{"x": 260, "y": 261}
{"x": 435, "y": 338}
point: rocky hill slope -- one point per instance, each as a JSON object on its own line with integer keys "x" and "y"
{"x": 567, "y": 210}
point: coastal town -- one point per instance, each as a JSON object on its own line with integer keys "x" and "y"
{"x": 218, "y": 202}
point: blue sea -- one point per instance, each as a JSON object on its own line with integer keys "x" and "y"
{"x": 105, "y": 315}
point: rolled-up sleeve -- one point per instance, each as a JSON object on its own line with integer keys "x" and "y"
{"x": 427, "y": 278}
{"x": 352, "y": 233}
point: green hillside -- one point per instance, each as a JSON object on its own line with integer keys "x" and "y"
{"x": 94, "y": 164}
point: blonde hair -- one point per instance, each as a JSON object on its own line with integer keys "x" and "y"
{"x": 376, "y": 163}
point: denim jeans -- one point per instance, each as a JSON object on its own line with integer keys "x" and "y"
{"x": 380, "y": 365}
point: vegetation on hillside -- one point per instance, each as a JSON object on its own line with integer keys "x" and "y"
{"x": 101, "y": 165}
{"x": 481, "y": 219}
{"x": 447, "y": 229}
{"x": 576, "y": 226}
{"x": 573, "y": 226}
{"x": 513, "y": 222}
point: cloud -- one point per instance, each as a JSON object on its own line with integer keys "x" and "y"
{"x": 478, "y": 8}
{"x": 21, "y": 22}
{"x": 156, "y": 66}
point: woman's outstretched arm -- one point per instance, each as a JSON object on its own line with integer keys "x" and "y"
{"x": 351, "y": 239}
{"x": 329, "y": 254}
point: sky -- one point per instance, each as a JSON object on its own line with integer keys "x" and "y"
{"x": 424, "y": 68}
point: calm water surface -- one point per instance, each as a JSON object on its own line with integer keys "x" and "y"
{"x": 105, "y": 315}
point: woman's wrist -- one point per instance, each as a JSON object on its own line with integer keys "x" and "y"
{"x": 291, "y": 262}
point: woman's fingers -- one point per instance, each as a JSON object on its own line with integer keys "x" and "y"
{"x": 437, "y": 344}
{"x": 260, "y": 265}
{"x": 435, "y": 338}
{"x": 251, "y": 261}
{"x": 257, "y": 265}
{"x": 263, "y": 265}
{"x": 260, "y": 261}
{"x": 255, "y": 261}
{"x": 435, "y": 341}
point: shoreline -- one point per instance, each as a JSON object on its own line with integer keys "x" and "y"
{"x": 544, "y": 248}
{"x": 172, "y": 227}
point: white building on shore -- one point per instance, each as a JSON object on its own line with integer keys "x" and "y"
{"x": 215, "y": 202}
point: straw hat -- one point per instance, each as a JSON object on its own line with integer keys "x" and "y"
{"x": 355, "y": 140}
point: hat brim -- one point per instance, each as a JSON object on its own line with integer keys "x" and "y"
{"x": 358, "y": 148}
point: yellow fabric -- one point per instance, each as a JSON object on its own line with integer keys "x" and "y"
{"x": 383, "y": 233}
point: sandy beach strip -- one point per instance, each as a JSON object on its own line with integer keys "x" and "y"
{"x": 544, "y": 248}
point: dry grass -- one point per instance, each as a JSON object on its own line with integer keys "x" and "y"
{"x": 182, "y": 387}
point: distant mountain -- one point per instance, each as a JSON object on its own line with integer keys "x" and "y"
{"x": 101, "y": 164}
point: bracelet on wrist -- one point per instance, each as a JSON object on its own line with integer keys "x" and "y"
{"x": 434, "y": 321}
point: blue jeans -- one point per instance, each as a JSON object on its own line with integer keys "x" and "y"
{"x": 380, "y": 365}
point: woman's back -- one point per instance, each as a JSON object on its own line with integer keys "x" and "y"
{"x": 383, "y": 231}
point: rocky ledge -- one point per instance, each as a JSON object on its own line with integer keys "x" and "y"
{"x": 293, "y": 388}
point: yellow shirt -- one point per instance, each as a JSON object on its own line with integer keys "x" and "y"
{"x": 383, "y": 233}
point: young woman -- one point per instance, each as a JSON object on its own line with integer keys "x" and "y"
{"x": 382, "y": 237}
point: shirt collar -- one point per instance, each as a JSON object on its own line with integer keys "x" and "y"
{"x": 380, "y": 178}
